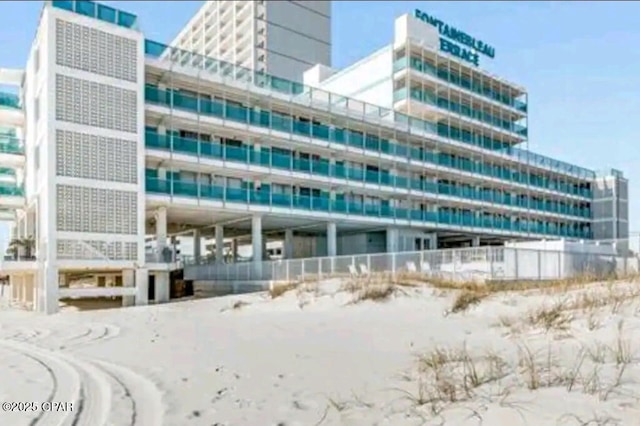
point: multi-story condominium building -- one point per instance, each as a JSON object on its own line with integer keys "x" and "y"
{"x": 114, "y": 137}
{"x": 281, "y": 38}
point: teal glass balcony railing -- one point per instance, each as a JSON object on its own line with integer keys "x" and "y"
{"x": 9, "y": 100}
{"x": 354, "y": 109}
{"x": 11, "y": 189}
{"x": 322, "y": 167}
{"x": 6, "y": 171}
{"x": 98, "y": 11}
{"x": 10, "y": 145}
{"x": 284, "y": 123}
{"x": 459, "y": 81}
{"x": 326, "y": 204}
{"x": 430, "y": 99}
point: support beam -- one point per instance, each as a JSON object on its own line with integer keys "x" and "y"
{"x": 197, "y": 245}
{"x": 142, "y": 286}
{"x": 162, "y": 291}
{"x": 30, "y": 290}
{"x": 332, "y": 241}
{"x": 219, "y": 244}
{"x": 433, "y": 241}
{"x": 128, "y": 280}
{"x": 288, "y": 244}
{"x": 234, "y": 250}
{"x": 256, "y": 238}
{"x": 392, "y": 240}
{"x": 49, "y": 285}
{"x": 265, "y": 253}
{"x": 22, "y": 290}
{"x": 161, "y": 228}
{"x": 13, "y": 283}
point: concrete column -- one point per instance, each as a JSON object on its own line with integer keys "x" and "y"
{"x": 50, "y": 290}
{"x": 25, "y": 225}
{"x": 30, "y": 290}
{"x": 288, "y": 244}
{"x": 22, "y": 294}
{"x": 35, "y": 292}
{"x": 220, "y": 244}
{"x": 475, "y": 242}
{"x": 197, "y": 245}
{"x": 433, "y": 241}
{"x": 162, "y": 287}
{"x": 142, "y": 286}
{"x": 234, "y": 250}
{"x": 128, "y": 281}
{"x": 256, "y": 238}
{"x": 332, "y": 244}
{"x": 161, "y": 228}
{"x": 13, "y": 283}
{"x": 265, "y": 255}
{"x": 392, "y": 240}
{"x": 257, "y": 247}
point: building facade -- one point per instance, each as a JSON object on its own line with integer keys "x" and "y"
{"x": 281, "y": 38}
{"x": 119, "y": 144}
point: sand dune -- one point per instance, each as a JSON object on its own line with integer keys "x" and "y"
{"x": 319, "y": 356}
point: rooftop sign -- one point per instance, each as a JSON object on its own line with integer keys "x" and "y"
{"x": 451, "y": 36}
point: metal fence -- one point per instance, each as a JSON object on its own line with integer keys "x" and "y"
{"x": 468, "y": 264}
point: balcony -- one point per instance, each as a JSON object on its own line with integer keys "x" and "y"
{"x": 20, "y": 256}
{"x": 7, "y": 215}
{"x": 11, "y": 152}
{"x": 325, "y": 204}
{"x": 98, "y": 11}
{"x": 462, "y": 82}
{"x": 337, "y": 104}
{"x": 281, "y": 123}
{"x": 11, "y": 196}
{"x": 323, "y": 168}
{"x": 10, "y": 101}
{"x": 11, "y": 112}
{"x": 462, "y": 110}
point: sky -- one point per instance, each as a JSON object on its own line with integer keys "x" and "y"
{"x": 578, "y": 61}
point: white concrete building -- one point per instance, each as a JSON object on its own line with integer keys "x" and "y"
{"x": 280, "y": 38}
{"x": 117, "y": 140}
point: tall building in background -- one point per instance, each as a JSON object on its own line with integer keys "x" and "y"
{"x": 282, "y": 38}
{"x": 112, "y": 145}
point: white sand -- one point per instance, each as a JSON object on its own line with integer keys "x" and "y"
{"x": 312, "y": 358}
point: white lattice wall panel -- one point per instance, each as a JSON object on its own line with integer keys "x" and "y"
{"x": 88, "y": 156}
{"x": 96, "y": 250}
{"x": 95, "y": 104}
{"x": 96, "y": 210}
{"x": 96, "y": 51}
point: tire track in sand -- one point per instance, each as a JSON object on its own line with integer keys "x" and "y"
{"x": 93, "y": 334}
{"x": 92, "y": 385}
{"x": 27, "y": 334}
{"x": 74, "y": 381}
{"x": 64, "y": 377}
{"x": 143, "y": 394}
